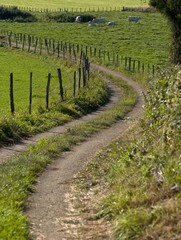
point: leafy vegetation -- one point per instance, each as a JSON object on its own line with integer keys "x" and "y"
{"x": 68, "y": 17}
{"x": 140, "y": 173}
{"x": 13, "y": 13}
{"x": 172, "y": 10}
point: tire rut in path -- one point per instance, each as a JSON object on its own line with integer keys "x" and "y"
{"x": 47, "y": 206}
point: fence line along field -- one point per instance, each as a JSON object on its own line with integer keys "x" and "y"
{"x": 74, "y": 3}
{"x": 147, "y": 41}
{"x": 21, "y": 64}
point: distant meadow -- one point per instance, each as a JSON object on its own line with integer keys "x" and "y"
{"x": 74, "y": 3}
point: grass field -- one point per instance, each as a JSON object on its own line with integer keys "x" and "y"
{"x": 74, "y": 3}
{"x": 147, "y": 41}
{"x": 21, "y": 64}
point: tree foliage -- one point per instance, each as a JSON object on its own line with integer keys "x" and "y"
{"x": 172, "y": 10}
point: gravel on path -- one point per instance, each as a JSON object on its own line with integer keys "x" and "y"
{"x": 47, "y": 207}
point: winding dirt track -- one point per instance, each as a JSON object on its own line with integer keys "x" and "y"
{"x": 47, "y": 206}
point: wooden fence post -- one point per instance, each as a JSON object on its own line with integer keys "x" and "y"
{"x": 53, "y": 46}
{"x": 23, "y": 42}
{"x": 99, "y": 53}
{"x": 117, "y": 60}
{"x": 30, "y": 99}
{"x": 9, "y": 39}
{"x": 148, "y": 67}
{"x": 129, "y": 64}
{"x": 84, "y": 76}
{"x": 60, "y": 83}
{"x": 46, "y": 45}
{"x": 11, "y": 94}
{"x": 79, "y": 83}
{"x": 153, "y": 70}
{"x": 58, "y": 49}
{"x": 108, "y": 56}
{"x": 74, "y": 83}
{"x": 41, "y": 45}
{"x": 95, "y": 52}
{"x": 29, "y": 42}
{"x": 36, "y": 43}
{"x": 47, "y": 91}
{"x": 75, "y": 57}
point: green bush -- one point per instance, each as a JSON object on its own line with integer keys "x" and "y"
{"x": 13, "y": 13}
{"x": 163, "y": 109}
{"x": 68, "y": 17}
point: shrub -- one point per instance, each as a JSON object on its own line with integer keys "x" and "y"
{"x": 13, "y": 13}
{"x": 68, "y": 17}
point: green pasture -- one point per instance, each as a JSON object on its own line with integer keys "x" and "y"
{"x": 74, "y": 3}
{"x": 21, "y": 64}
{"x": 147, "y": 41}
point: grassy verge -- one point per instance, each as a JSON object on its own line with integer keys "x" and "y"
{"x": 17, "y": 176}
{"x": 138, "y": 176}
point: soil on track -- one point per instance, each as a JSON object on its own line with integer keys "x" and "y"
{"x": 47, "y": 206}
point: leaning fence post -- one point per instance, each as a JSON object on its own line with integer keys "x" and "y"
{"x": 60, "y": 83}
{"x": 11, "y": 94}
{"x": 153, "y": 70}
{"x": 47, "y": 91}
{"x": 29, "y": 42}
{"x": 30, "y": 99}
{"x": 58, "y": 49}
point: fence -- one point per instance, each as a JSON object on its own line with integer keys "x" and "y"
{"x": 54, "y": 10}
{"x": 83, "y": 77}
{"x": 68, "y": 50}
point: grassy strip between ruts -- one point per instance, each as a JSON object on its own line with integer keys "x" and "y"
{"x": 19, "y": 173}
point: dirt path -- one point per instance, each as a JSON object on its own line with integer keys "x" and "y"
{"x": 47, "y": 208}
{"x": 8, "y": 151}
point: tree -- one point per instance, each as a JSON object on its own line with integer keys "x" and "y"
{"x": 172, "y": 10}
